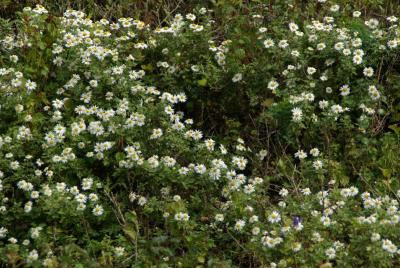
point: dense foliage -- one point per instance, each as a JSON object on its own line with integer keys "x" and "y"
{"x": 208, "y": 140}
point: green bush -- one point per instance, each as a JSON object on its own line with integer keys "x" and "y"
{"x": 102, "y": 166}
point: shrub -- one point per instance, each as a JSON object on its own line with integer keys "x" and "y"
{"x": 101, "y": 167}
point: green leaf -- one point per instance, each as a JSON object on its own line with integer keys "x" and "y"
{"x": 395, "y": 128}
{"x": 147, "y": 67}
{"x": 267, "y": 102}
{"x": 201, "y": 259}
{"x": 130, "y": 232}
{"x": 131, "y": 217}
{"x": 119, "y": 156}
{"x": 202, "y": 82}
{"x": 387, "y": 173}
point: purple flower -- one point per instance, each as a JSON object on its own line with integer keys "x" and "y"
{"x": 296, "y": 220}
